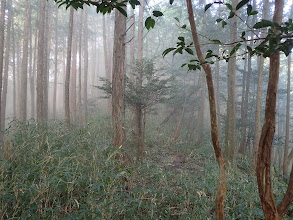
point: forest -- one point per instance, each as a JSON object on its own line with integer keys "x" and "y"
{"x": 146, "y": 109}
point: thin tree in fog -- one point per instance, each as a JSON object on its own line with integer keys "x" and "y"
{"x": 230, "y": 137}
{"x": 86, "y": 65}
{"x": 56, "y": 64}
{"x": 6, "y": 67}
{"x": 80, "y": 68}
{"x": 40, "y": 65}
{"x": 74, "y": 68}
{"x": 2, "y": 26}
{"x": 23, "y": 98}
{"x": 68, "y": 65}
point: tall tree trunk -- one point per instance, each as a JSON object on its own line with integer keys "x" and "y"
{"x": 85, "y": 79}
{"x": 106, "y": 59}
{"x": 47, "y": 50}
{"x": 285, "y": 165}
{"x": 6, "y": 68}
{"x": 118, "y": 75}
{"x": 263, "y": 170}
{"x": 56, "y": 65}
{"x": 258, "y": 97}
{"x": 80, "y": 70}
{"x": 138, "y": 107}
{"x": 230, "y": 150}
{"x": 13, "y": 70}
{"x": 68, "y": 65}
{"x": 218, "y": 95}
{"x": 2, "y": 26}
{"x": 73, "y": 74}
{"x": 221, "y": 191}
{"x": 23, "y": 98}
{"x": 40, "y": 65}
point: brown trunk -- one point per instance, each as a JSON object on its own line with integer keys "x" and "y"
{"x": 68, "y": 65}
{"x": 40, "y": 68}
{"x": 230, "y": 150}
{"x": 118, "y": 80}
{"x": 263, "y": 171}
{"x": 106, "y": 57}
{"x": 2, "y": 26}
{"x": 258, "y": 98}
{"x": 85, "y": 79}
{"x": 79, "y": 74}
{"x": 285, "y": 165}
{"x": 221, "y": 191}
{"x": 23, "y": 98}
{"x": 73, "y": 74}
{"x": 56, "y": 65}
{"x": 14, "y": 70}
{"x": 6, "y": 67}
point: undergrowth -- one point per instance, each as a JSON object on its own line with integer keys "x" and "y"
{"x": 48, "y": 172}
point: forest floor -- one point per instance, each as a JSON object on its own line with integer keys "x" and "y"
{"x": 52, "y": 173}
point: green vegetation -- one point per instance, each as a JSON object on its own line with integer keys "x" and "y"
{"x": 50, "y": 173}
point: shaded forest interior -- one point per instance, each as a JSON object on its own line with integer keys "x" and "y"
{"x": 142, "y": 109}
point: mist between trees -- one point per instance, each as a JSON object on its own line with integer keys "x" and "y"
{"x": 139, "y": 97}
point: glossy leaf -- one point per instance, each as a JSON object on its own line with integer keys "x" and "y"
{"x": 241, "y": 4}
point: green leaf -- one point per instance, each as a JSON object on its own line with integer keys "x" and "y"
{"x": 171, "y": 2}
{"x": 177, "y": 19}
{"x": 181, "y": 39}
{"x": 249, "y": 10}
{"x": 188, "y": 50}
{"x": 150, "y": 23}
{"x": 183, "y": 26}
{"x": 254, "y": 13}
{"x": 241, "y": 4}
{"x": 219, "y": 20}
{"x": 235, "y": 49}
{"x": 223, "y": 24}
{"x": 178, "y": 50}
{"x": 263, "y": 24}
{"x": 231, "y": 15}
{"x": 157, "y": 13}
{"x": 122, "y": 11}
{"x": 229, "y": 6}
{"x": 217, "y": 41}
{"x": 207, "y": 6}
{"x": 168, "y": 51}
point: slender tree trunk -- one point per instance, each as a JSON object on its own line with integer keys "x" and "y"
{"x": 230, "y": 150}
{"x": 106, "y": 59}
{"x": 285, "y": 165}
{"x": 68, "y": 65}
{"x": 2, "y": 26}
{"x": 118, "y": 80}
{"x": 85, "y": 79}
{"x": 47, "y": 50}
{"x": 6, "y": 68}
{"x": 23, "y": 98}
{"x": 263, "y": 171}
{"x": 258, "y": 98}
{"x": 13, "y": 70}
{"x": 73, "y": 74}
{"x": 40, "y": 65}
{"x": 218, "y": 93}
{"x": 221, "y": 191}
{"x": 80, "y": 70}
{"x": 56, "y": 65}
{"x": 177, "y": 131}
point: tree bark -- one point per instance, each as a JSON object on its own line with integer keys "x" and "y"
{"x": 80, "y": 70}
{"x": 118, "y": 75}
{"x": 258, "y": 97}
{"x": 74, "y": 69}
{"x": 68, "y": 65}
{"x": 221, "y": 191}
{"x": 263, "y": 171}
{"x": 6, "y": 68}
{"x": 2, "y": 26}
{"x": 23, "y": 98}
{"x": 230, "y": 150}
{"x": 56, "y": 66}
{"x": 40, "y": 65}
{"x": 85, "y": 79}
